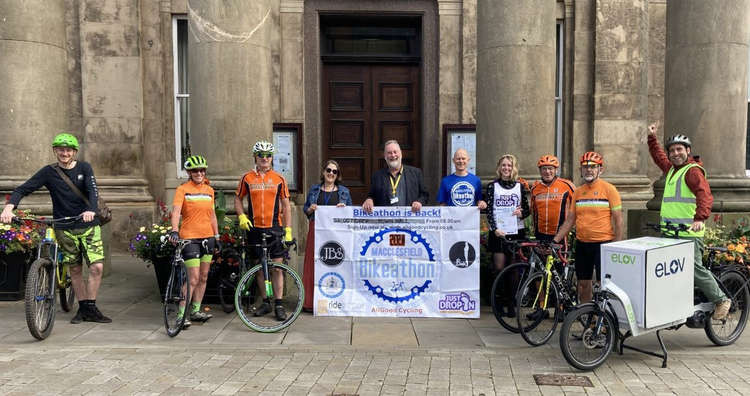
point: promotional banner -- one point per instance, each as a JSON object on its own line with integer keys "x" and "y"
{"x": 395, "y": 262}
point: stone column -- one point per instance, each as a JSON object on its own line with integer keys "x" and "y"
{"x": 706, "y": 91}
{"x": 33, "y": 77}
{"x": 621, "y": 96}
{"x": 230, "y": 79}
{"x": 515, "y": 82}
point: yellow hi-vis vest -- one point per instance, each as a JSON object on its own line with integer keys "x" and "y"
{"x": 678, "y": 204}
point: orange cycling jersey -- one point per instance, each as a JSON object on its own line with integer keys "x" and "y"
{"x": 550, "y": 204}
{"x": 196, "y": 203}
{"x": 264, "y": 193}
{"x": 594, "y": 203}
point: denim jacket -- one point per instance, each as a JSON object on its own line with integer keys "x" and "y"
{"x": 312, "y": 197}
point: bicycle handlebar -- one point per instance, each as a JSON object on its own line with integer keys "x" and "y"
{"x": 20, "y": 220}
{"x": 668, "y": 228}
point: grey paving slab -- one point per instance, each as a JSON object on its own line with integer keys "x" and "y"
{"x": 389, "y": 333}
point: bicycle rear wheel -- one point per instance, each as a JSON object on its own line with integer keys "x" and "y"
{"x": 40, "y": 298}
{"x": 583, "y": 345}
{"x": 176, "y": 297}
{"x": 506, "y": 286}
{"x": 537, "y": 309}
{"x": 727, "y": 331}
{"x": 247, "y": 302}
{"x": 67, "y": 294}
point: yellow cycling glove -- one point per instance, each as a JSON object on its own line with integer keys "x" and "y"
{"x": 287, "y": 234}
{"x": 245, "y": 223}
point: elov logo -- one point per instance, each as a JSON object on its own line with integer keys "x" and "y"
{"x": 666, "y": 269}
{"x": 622, "y": 258}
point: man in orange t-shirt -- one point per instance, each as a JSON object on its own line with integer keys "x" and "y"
{"x": 268, "y": 209}
{"x": 597, "y": 215}
{"x": 551, "y": 198}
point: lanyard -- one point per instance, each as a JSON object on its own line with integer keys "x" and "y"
{"x": 326, "y": 197}
{"x": 394, "y": 186}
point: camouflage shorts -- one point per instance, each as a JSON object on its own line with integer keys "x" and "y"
{"x": 78, "y": 243}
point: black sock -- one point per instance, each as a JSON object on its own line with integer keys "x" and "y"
{"x": 267, "y": 300}
{"x": 277, "y": 301}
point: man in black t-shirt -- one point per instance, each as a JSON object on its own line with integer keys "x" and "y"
{"x": 78, "y": 238}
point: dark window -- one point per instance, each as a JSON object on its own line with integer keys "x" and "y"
{"x": 370, "y": 38}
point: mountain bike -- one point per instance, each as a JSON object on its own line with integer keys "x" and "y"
{"x": 546, "y": 296}
{"x": 175, "y": 306}
{"x": 45, "y": 280}
{"x": 291, "y": 290}
{"x": 590, "y": 333}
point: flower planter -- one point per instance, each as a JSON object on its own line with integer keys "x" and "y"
{"x": 162, "y": 268}
{"x": 13, "y": 269}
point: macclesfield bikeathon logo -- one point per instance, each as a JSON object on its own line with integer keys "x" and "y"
{"x": 396, "y": 264}
{"x": 462, "y": 194}
{"x": 331, "y": 253}
{"x": 457, "y": 303}
{"x": 462, "y": 254}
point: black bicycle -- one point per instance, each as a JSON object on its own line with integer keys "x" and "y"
{"x": 546, "y": 296}
{"x": 177, "y": 292}
{"x": 271, "y": 280}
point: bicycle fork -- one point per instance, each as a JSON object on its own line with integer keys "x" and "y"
{"x": 548, "y": 271}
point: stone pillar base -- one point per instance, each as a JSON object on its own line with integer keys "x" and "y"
{"x": 730, "y": 194}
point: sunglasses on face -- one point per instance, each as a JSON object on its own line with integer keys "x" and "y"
{"x": 334, "y": 171}
{"x": 265, "y": 155}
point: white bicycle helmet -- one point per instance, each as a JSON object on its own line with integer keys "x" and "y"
{"x": 678, "y": 139}
{"x": 263, "y": 146}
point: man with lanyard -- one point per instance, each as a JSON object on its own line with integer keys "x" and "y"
{"x": 397, "y": 184}
{"x": 550, "y": 199}
{"x": 687, "y": 200}
{"x": 267, "y": 204}
{"x": 78, "y": 239}
{"x": 461, "y": 188}
{"x": 597, "y": 215}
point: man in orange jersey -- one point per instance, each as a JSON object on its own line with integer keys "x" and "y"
{"x": 268, "y": 209}
{"x": 597, "y": 214}
{"x": 550, "y": 199}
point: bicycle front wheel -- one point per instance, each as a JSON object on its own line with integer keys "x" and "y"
{"x": 65, "y": 289}
{"x": 587, "y": 337}
{"x": 727, "y": 331}
{"x": 504, "y": 289}
{"x": 249, "y": 298}
{"x": 537, "y": 309}
{"x": 176, "y": 300}
{"x": 40, "y": 298}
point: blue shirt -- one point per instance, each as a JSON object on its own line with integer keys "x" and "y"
{"x": 460, "y": 190}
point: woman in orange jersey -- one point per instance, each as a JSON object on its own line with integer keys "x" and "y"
{"x": 194, "y": 201}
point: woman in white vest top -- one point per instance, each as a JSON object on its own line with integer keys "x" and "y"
{"x": 509, "y": 197}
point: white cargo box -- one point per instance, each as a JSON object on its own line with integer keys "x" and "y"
{"x": 657, "y": 275}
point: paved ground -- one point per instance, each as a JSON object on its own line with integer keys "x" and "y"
{"x": 319, "y": 355}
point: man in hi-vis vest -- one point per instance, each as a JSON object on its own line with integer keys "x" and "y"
{"x": 687, "y": 200}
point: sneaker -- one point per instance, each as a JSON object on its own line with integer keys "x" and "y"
{"x": 94, "y": 315}
{"x": 186, "y": 323}
{"x": 200, "y": 316}
{"x": 78, "y": 318}
{"x": 280, "y": 313}
{"x": 263, "y": 309}
{"x": 722, "y": 309}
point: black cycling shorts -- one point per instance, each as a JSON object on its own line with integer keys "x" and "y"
{"x": 275, "y": 249}
{"x": 588, "y": 257}
{"x": 496, "y": 244}
{"x": 197, "y": 248}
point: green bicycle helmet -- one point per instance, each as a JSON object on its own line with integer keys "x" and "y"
{"x": 65, "y": 140}
{"x": 195, "y": 162}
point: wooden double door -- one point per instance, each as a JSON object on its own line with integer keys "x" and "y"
{"x": 365, "y": 105}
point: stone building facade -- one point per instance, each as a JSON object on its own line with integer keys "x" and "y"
{"x": 142, "y": 81}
